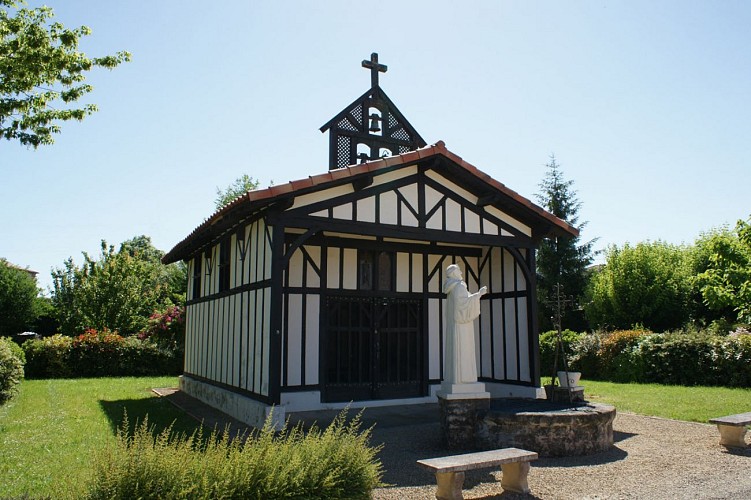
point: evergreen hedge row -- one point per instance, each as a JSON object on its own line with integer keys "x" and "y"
{"x": 677, "y": 358}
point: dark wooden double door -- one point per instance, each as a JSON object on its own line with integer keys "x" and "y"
{"x": 374, "y": 348}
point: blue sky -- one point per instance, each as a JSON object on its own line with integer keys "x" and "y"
{"x": 644, "y": 104}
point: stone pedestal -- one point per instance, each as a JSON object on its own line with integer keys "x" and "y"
{"x": 558, "y": 394}
{"x": 459, "y": 416}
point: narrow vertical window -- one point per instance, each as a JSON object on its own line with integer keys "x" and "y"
{"x": 196, "y": 277}
{"x": 224, "y": 257}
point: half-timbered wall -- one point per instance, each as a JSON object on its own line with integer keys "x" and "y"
{"x": 228, "y": 331}
{"x": 445, "y": 224}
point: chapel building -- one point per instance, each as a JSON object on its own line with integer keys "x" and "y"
{"x": 326, "y": 291}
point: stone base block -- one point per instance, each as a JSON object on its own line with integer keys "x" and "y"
{"x": 459, "y": 418}
{"x": 732, "y": 436}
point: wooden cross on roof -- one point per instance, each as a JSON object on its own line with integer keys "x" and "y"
{"x": 374, "y": 68}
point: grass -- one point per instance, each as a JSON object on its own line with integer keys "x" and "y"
{"x": 693, "y": 404}
{"x": 49, "y": 432}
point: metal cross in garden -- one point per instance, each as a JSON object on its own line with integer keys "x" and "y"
{"x": 374, "y": 68}
{"x": 561, "y": 302}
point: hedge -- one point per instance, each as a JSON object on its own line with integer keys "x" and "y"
{"x": 98, "y": 354}
{"x": 677, "y": 358}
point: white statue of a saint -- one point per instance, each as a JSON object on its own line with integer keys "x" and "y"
{"x": 461, "y": 311}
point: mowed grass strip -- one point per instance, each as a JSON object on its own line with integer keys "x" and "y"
{"x": 693, "y": 404}
{"x": 49, "y": 432}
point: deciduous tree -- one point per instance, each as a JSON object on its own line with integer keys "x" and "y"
{"x": 18, "y": 294}
{"x": 42, "y": 74}
{"x": 727, "y": 281}
{"x": 118, "y": 291}
{"x": 240, "y": 186}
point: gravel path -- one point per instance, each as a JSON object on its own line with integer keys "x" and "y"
{"x": 653, "y": 458}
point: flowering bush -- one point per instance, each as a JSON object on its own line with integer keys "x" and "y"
{"x": 166, "y": 328}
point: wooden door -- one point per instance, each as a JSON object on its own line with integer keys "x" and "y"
{"x": 373, "y": 348}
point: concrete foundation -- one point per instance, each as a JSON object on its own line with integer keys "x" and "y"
{"x": 241, "y": 407}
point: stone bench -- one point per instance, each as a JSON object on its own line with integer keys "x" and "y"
{"x": 733, "y": 429}
{"x": 449, "y": 471}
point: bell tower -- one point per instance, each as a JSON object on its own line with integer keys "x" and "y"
{"x": 371, "y": 127}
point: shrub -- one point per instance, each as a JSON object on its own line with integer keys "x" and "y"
{"x": 334, "y": 463}
{"x": 11, "y": 370}
{"x": 166, "y": 328}
{"x": 678, "y": 359}
{"x": 98, "y": 354}
{"x": 48, "y": 357}
{"x": 584, "y": 355}
{"x": 548, "y": 342}
{"x": 616, "y": 356}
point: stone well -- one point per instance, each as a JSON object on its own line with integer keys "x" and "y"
{"x": 550, "y": 429}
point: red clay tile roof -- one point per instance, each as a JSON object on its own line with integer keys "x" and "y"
{"x": 263, "y": 197}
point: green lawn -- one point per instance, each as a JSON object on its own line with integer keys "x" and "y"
{"x": 49, "y": 431}
{"x": 696, "y": 404}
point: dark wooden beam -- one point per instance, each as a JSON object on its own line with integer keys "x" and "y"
{"x": 362, "y": 182}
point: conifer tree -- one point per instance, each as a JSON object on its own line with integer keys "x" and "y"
{"x": 561, "y": 260}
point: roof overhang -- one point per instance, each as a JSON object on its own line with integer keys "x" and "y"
{"x": 278, "y": 198}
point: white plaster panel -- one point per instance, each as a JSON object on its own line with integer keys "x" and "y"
{"x": 489, "y": 228}
{"x": 434, "y": 347}
{"x": 388, "y": 208}
{"x": 471, "y": 222}
{"x": 499, "y": 349}
{"x": 366, "y": 209}
{"x": 267, "y": 339}
{"x": 478, "y": 343}
{"x": 237, "y": 340}
{"x": 408, "y": 218}
{"x": 524, "y": 368}
{"x": 521, "y": 281}
{"x": 435, "y": 221}
{"x": 485, "y": 334}
{"x": 343, "y": 211}
{"x": 509, "y": 220}
{"x": 332, "y": 269}
{"x": 295, "y": 268}
{"x": 432, "y": 197}
{"x": 511, "y": 347}
{"x": 266, "y": 256}
{"x": 435, "y": 282}
{"x": 454, "y": 188}
{"x": 453, "y": 216}
{"x": 394, "y": 175}
{"x": 326, "y": 194}
{"x": 313, "y": 312}
{"x": 189, "y": 319}
{"x": 321, "y": 213}
{"x": 509, "y": 266}
{"x": 350, "y": 269}
{"x": 402, "y": 272}
{"x": 294, "y": 339}
{"x": 410, "y": 193}
{"x": 417, "y": 273}
{"x": 312, "y": 277}
{"x": 258, "y": 338}
{"x": 243, "y": 351}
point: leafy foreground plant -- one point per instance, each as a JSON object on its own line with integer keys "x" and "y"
{"x": 334, "y": 463}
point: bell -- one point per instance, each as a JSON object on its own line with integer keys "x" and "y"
{"x": 374, "y": 119}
